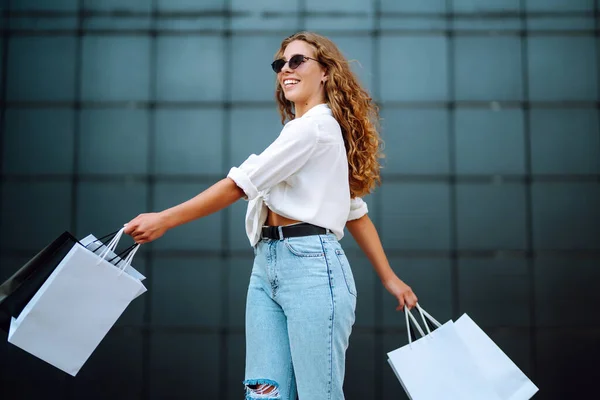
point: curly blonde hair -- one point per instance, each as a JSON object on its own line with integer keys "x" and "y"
{"x": 352, "y": 107}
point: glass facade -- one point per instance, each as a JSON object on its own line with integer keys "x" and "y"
{"x": 490, "y": 202}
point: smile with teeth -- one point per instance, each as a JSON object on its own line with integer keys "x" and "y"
{"x": 290, "y": 82}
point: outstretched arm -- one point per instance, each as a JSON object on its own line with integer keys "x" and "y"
{"x": 148, "y": 227}
{"x": 365, "y": 234}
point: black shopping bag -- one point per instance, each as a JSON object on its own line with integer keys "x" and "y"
{"x": 16, "y": 292}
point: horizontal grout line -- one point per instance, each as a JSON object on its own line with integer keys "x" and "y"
{"x": 327, "y": 32}
{"x": 233, "y": 330}
{"x": 489, "y": 14}
{"x": 524, "y": 329}
{"x": 383, "y": 104}
{"x": 503, "y": 254}
{"x": 488, "y": 179}
{"x": 158, "y": 14}
{"x": 497, "y": 179}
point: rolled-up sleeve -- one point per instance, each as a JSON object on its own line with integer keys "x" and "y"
{"x": 285, "y": 156}
{"x": 358, "y": 208}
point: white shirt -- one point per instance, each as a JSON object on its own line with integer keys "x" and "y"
{"x": 302, "y": 175}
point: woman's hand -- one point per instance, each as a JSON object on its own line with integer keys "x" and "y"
{"x": 146, "y": 227}
{"x": 402, "y": 292}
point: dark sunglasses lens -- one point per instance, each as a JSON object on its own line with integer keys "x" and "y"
{"x": 296, "y": 60}
{"x": 277, "y": 65}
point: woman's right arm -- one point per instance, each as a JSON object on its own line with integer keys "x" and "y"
{"x": 290, "y": 151}
{"x": 217, "y": 197}
{"x": 148, "y": 227}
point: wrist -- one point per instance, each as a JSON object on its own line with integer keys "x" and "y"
{"x": 388, "y": 276}
{"x": 168, "y": 219}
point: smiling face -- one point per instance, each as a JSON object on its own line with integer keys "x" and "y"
{"x": 302, "y": 86}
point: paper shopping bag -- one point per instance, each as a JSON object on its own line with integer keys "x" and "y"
{"x": 439, "y": 366}
{"x": 509, "y": 381}
{"x": 18, "y": 289}
{"x": 74, "y": 309}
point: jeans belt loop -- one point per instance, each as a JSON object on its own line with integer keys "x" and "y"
{"x": 280, "y": 230}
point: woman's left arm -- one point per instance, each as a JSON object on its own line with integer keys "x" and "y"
{"x": 365, "y": 234}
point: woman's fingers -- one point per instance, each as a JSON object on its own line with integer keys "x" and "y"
{"x": 140, "y": 236}
{"x": 131, "y": 227}
{"x": 403, "y": 293}
{"x": 143, "y": 229}
{"x": 135, "y": 228}
{"x": 409, "y": 299}
{"x": 400, "y": 303}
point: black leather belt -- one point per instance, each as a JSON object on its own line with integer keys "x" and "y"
{"x": 302, "y": 229}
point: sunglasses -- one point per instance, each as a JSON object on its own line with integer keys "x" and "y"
{"x": 294, "y": 62}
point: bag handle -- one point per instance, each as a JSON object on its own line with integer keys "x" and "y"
{"x": 104, "y": 237}
{"x": 123, "y": 254}
{"x": 112, "y": 245}
{"x": 101, "y": 240}
{"x": 423, "y": 314}
{"x": 129, "y": 258}
{"x": 429, "y": 317}
{"x": 408, "y": 314}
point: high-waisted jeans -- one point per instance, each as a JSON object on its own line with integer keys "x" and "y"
{"x": 299, "y": 315}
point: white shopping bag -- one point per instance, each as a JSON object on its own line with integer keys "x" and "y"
{"x": 439, "y": 366}
{"x": 509, "y": 381}
{"x": 74, "y": 309}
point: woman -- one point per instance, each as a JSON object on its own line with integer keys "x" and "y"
{"x": 302, "y": 191}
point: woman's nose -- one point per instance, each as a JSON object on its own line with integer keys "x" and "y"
{"x": 286, "y": 67}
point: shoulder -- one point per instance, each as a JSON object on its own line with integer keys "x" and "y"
{"x": 328, "y": 127}
{"x": 307, "y": 127}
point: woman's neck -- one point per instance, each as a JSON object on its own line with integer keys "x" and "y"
{"x": 302, "y": 108}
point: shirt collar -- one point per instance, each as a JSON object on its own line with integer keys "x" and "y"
{"x": 319, "y": 109}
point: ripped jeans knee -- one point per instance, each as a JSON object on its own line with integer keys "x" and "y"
{"x": 264, "y": 389}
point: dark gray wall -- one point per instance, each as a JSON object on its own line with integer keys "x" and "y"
{"x": 490, "y": 203}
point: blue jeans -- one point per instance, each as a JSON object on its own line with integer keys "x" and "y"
{"x": 299, "y": 315}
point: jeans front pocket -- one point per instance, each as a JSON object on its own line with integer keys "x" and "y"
{"x": 347, "y": 271}
{"x": 305, "y": 246}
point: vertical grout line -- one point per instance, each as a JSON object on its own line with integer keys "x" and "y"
{"x": 5, "y": 48}
{"x": 77, "y": 116}
{"x": 150, "y": 255}
{"x": 226, "y": 214}
{"x": 78, "y": 59}
{"x": 302, "y": 14}
{"x": 452, "y": 181}
{"x": 528, "y": 185}
{"x": 379, "y": 360}
{"x": 597, "y": 35}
